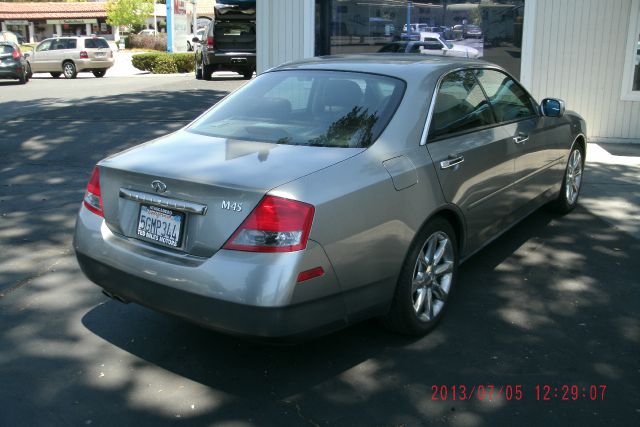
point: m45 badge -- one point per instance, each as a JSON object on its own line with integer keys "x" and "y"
{"x": 232, "y": 206}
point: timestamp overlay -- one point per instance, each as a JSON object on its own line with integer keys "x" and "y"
{"x": 519, "y": 392}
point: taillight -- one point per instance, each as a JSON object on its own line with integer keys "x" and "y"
{"x": 84, "y": 54}
{"x": 16, "y": 54}
{"x": 275, "y": 225}
{"x": 92, "y": 197}
{"x": 211, "y": 43}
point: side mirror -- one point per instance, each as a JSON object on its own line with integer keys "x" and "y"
{"x": 26, "y": 55}
{"x": 552, "y": 107}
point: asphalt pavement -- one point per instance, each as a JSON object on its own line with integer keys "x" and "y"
{"x": 551, "y": 307}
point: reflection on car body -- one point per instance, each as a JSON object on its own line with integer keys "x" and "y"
{"x": 363, "y": 182}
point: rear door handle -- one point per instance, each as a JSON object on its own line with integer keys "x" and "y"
{"x": 521, "y": 138}
{"x": 451, "y": 161}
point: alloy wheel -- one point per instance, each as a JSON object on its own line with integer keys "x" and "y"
{"x": 432, "y": 276}
{"x": 573, "y": 179}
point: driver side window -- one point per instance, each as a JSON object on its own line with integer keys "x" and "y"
{"x": 44, "y": 46}
{"x": 509, "y": 101}
{"x": 460, "y": 106}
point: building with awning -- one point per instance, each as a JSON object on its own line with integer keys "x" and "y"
{"x": 37, "y": 21}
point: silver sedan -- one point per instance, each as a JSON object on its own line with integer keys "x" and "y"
{"x": 328, "y": 191}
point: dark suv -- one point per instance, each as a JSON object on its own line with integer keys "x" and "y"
{"x": 13, "y": 65}
{"x": 229, "y": 43}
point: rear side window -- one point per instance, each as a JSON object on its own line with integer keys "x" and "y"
{"x": 509, "y": 101}
{"x": 96, "y": 44}
{"x": 460, "y": 106}
{"x": 318, "y": 108}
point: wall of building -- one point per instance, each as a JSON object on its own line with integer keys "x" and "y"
{"x": 576, "y": 50}
{"x": 284, "y": 31}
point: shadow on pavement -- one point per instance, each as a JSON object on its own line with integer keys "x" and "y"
{"x": 534, "y": 307}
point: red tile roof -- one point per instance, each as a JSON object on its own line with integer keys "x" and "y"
{"x": 52, "y": 10}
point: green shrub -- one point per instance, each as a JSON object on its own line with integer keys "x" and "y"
{"x": 185, "y": 62}
{"x": 164, "y": 63}
{"x": 144, "y": 61}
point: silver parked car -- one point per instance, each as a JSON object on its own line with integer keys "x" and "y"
{"x": 328, "y": 191}
{"x": 71, "y": 55}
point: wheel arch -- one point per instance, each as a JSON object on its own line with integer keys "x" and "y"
{"x": 453, "y": 216}
{"x": 580, "y": 141}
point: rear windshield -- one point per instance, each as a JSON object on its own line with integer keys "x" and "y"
{"x": 95, "y": 43}
{"x": 318, "y": 108}
{"x": 4, "y": 48}
{"x": 234, "y": 29}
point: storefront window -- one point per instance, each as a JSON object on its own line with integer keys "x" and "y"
{"x": 473, "y": 28}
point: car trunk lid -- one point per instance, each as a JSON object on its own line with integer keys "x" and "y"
{"x": 214, "y": 182}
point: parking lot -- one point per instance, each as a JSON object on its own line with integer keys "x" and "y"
{"x": 553, "y": 303}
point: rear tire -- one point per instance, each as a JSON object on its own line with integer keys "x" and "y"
{"x": 571, "y": 183}
{"x": 55, "y": 75}
{"x": 247, "y": 74}
{"x": 23, "y": 79}
{"x": 99, "y": 73}
{"x": 29, "y": 72}
{"x": 427, "y": 277}
{"x": 69, "y": 70}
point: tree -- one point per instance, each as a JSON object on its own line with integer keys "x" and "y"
{"x": 129, "y": 12}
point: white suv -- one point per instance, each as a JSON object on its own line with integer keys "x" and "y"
{"x": 71, "y": 55}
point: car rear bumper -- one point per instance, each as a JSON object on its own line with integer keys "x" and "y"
{"x": 267, "y": 322}
{"x": 92, "y": 64}
{"x": 239, "y": 60}
{"x": 235, "y": 292}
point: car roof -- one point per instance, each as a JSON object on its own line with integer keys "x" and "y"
{"x": 402, "y": 66}
{"x": 428, "y": 34}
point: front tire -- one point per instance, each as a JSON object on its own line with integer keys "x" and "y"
{"x": 198, "y": 70}
{"x": 69, "y": 70}
{"x": 571, "y": 183}
{"x": 427, "y": 277}
{"x": 207, "y": 71}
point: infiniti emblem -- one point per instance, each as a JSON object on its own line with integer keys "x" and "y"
{"x": 159, "y": 186}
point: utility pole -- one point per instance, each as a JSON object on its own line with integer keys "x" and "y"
{"x": 194, "y": 17}
{"x": 155, "y": 19}
{"x": 409, "y": 5}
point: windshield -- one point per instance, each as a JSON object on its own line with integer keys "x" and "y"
{"x": 318, "y": 108}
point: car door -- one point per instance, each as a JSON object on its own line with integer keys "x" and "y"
{"x": 539, "y": 143}
{"x": 474, "y": 158}
{"x": 40, "y": 56}
{"x": 432, "y": 46}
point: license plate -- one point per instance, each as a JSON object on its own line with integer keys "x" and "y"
{"x": 160, "y": 225}
{"x": 100, "y": 54}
